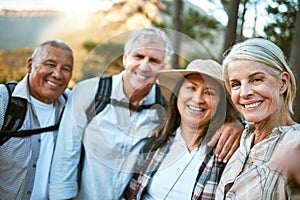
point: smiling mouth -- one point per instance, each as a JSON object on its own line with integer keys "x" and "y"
{"x": 141, "y": 76}
{"x": 196, "y": 109}
{"x": 252, "y": 105}
{"x": 52, "y": 84}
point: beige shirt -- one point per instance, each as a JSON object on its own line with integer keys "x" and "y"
{"x": 253, "y": 174}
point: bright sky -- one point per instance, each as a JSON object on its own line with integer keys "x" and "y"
{"x": 70, "y": 5}
{"x": 62, "y": 5}
{"x": 81, "y": 6}
{"x": 216, "y": 9}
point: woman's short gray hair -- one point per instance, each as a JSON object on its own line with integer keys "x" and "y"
{"x": 268, "y": 53}
{"x": 150, "y": 34}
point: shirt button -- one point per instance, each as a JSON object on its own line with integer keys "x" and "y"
{"x": 28, "y": 192}
{"x": 39, "y": 140}
{"x": 251, "y": 163}
{"x": 34, "y": 165}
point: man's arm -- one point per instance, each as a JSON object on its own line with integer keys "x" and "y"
{"x": 63, "y": 174}
{"x": 227, "y": 139}
{"x": 289, "y": 162}
{"x": 67, "y": 154}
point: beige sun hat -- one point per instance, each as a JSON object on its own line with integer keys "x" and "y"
{"x": 168, "y": 79}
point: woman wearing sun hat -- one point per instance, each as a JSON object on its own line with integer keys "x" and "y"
{"x": 178, "y": 164}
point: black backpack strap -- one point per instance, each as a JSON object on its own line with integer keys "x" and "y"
{"x": 26, "y": 133}
{"x": 10, "y": 86}
{"x": 103, "y": 94}
{"x": 15, "y": 111}
{"x": 159, "y": 100}
{"x": 14, "y": 114}
{"x": 14, "y": 117}
{"x": 102, "y": 97}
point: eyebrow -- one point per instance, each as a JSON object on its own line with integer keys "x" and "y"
{"x": 54, "y": 61}
{"x": 142, "y": 54}
{"x": 50, "y": 60}
{"x": 251, "y": 75}
{"x": 209, "y": 88}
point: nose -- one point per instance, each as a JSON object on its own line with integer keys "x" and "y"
{"x": 197, "y": 97}
{"x": 245, "y": 90}
{"x": 145, "y": 64}
{"x": 57, "y": 73}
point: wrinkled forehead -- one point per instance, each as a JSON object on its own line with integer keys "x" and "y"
{"x": 147, "y": 42}
{"x": 53, "y": 53}
{"x": 46, "y": 50}
{"x": 202, "y": 78}
{"x": 149, "y": 48}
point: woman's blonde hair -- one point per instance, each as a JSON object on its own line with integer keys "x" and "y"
{"x": 268, "y": 53}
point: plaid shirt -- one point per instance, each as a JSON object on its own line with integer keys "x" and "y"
{"x": 207, "y": 179}
{"x": 252, "y": 173}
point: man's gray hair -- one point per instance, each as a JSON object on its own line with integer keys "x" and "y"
{"x": 150, "y": 34}
{"x": 54, "y": 43}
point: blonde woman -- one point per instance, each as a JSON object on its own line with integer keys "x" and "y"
{"x": 262, "y": 87}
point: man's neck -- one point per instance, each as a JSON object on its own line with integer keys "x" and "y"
{"x": 137, "y": 94}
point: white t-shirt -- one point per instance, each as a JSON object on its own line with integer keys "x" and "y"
{"x": 46, "y": 117}
{"x": 176, "y": 176}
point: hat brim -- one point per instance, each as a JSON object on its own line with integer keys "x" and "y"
{"x": 168, "y": 79}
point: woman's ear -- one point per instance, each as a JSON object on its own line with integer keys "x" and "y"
{"x": 285, "y": 81}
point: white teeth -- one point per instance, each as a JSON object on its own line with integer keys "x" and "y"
{"x": 195, "y": 108}
{"x": 51, "y": 83}
{"x": 141, "y": 76}
{"x": 252, "y": 105}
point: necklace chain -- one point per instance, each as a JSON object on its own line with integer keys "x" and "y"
{"x": 177, "y": 179}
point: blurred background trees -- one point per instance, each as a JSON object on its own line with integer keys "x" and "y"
{"x": 282, "y": 27}
{"x": 211, "y": 36}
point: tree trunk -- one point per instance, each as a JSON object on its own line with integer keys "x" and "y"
{"x": 295, "y": 63}
{"x": 255, "y": 20}
{"x": 240, "y": 36}
{"x": 177, "y": 21}
{"x": 230, "y": 34}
